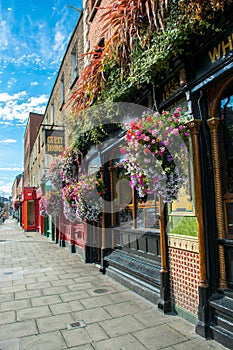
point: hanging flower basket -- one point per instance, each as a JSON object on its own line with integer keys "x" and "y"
{"x": 82, "y": 199}
{"x": 70, "y": 197}
{"x": 156, "y": 153}
{"x": 42, "y": 206}
{"x": 55, "y": 175}
{"x": 90, "y": 192}
{"x": 51, "y": 203}
{"x": 64, "y": 169}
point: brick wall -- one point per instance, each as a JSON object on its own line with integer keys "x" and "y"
{"x": 96, "y": 25}
{"x": 184, "y": 272}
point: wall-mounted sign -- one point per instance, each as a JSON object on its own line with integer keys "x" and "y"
{"x": 54, "y": 141}
{"x": 214, "y": 54}
{"x": 172, "y": 86}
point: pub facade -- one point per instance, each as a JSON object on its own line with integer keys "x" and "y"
{"x": 177, "y": 254}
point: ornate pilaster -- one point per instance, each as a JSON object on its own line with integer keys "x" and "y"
{"x": 194, "y": 128}
{"x": 165, "y": 301}
{"x": 163, "y": 243}
{"x": 213, "y": 124}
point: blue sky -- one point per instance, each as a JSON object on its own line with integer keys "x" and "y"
{"x": 33, "y": 40}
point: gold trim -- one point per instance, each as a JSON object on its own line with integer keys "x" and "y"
{"x": 194, "y": 127}
{"x": 213, "y": 124}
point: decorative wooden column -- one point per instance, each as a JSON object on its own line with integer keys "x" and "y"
{"x": 163, "y": 243}
{"x": 213, "y": 124}
{"x": 194, "y": 127}
{"x": 165, "y": 301}
{"x": 103, "y": 233}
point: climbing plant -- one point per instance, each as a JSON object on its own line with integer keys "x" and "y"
{"x": 145, "y": 36}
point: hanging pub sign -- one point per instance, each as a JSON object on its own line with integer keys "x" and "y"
{"x": 54, "y": 141}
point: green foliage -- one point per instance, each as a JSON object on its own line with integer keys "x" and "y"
{"x": 146, "y": 37}
{"x": 149, "y": 60}
{"x": 186, "y": 225}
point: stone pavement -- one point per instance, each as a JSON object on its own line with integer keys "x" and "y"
{"x": 50, "y": 300}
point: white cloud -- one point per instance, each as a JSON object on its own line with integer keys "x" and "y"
{"x": 10, "y": 9}
{"x": 18, "y": 106}
{"x": 59, "y": 40}
{"x": 8, "y": 141}
{"x": 11, "y": 169}
{"x": 34, "y": 83}
{"x": 6, "y": 189}
{"x": 5, "y": 97}
{"x": 11, "y": 82}
{"x": 28, "y": 60}
{"x": 5, "y": 35}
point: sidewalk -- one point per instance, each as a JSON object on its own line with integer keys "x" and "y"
{"x": 50, "y": 300}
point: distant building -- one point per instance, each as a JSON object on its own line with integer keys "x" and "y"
{"x": 16, "y": 198}
{"x": 33, "y": 124}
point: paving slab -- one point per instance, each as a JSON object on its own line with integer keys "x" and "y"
{"x": 92, "y": 315}
{"x": 33, "y": 313}
{"x": 10, "y": 344}
{"x": 46, "y": 300}
{"x": 53, "y": 323}
{"x": 160, "y": 336}
{"x": 18, "y": 329}
{"x": 126, "y": 342}
{"x": 15, "y": 305}
{"x": 7, "y": 317}
{"x": 121, "y": 325}
{"x": 75, "y": 337}
{"x": 46, "y": 341}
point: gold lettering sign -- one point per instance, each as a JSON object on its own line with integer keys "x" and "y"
{"x": 54, "y": 141}
{"x": 170, "y": 88}
{"x": 221, "y": 49}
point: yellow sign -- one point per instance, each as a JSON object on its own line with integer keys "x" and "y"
{"x": 221, "y": 49}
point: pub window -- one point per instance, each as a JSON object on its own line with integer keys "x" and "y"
{"x": 38, "y": 144}
{"x": 129, "y": 210}
{"x": 182, "y": 218}
{"x": 225, "y": 113}
{"x": 62, "y": 90}
{"x": 52, "y": 113}
{"x": 74, "y": 64}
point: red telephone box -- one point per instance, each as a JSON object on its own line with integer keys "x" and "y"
{"x": 29, "y": 209}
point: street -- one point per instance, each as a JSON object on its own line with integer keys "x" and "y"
{"x": 50, "y": 300}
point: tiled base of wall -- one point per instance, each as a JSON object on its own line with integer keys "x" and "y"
{"x": 185, "y": 314}
{"x": 184, "y": 274}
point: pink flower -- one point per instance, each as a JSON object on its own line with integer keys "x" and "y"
{"x": 160, "y": 152}
{"x": 146, "y": 150}
{"x": 123, "y": 151}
